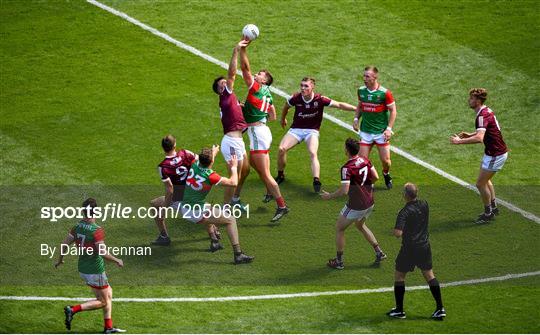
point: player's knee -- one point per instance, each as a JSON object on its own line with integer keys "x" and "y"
{"x": 282, "y": 150}
{"x": 313, "y": 156}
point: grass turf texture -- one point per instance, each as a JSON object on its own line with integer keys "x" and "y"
{"x": 86, "y": 98}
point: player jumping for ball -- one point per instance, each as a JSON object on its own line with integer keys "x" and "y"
{"x": 257, "y": 110}
{"x": 308, "y": 115}
{"x": 495, "y": 153}
{"x": 89, "y": 237}
{"x": 357, "y": 178}
{"x": 377, "y": 108}
{"x": 234, "y": 124}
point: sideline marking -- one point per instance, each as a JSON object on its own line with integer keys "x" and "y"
{"x": 331, "y": 118}
{"x": 280, "y": 296}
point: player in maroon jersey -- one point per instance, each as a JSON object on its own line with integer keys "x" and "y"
{"x": 173, "y": 171}
{"x": 495, "y": 153}
{"x": 308, "y": 115}
{"x": 234, "y": 124}
{"x": 357, "y": 178}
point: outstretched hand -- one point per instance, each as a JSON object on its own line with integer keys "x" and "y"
{"x": 243, "y": 43}
{"x": 233, "y": 163}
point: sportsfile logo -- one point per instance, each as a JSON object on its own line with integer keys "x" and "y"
{"x": 119, "y": 211}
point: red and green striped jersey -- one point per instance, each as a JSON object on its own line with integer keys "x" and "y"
{"x": 198, "y": 184}
{"x": 257, "y": 103}
{"x": 86, "y": 236}
{"x": 374, "y": 106}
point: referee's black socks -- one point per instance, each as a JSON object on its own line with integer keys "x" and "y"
{"x": 399, "y": 294}
{"x": 435, "y": 289}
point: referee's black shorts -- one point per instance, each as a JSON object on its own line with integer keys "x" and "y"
{"x": 410, "y": 257}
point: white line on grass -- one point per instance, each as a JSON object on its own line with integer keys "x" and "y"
{"x": 279, "y": 296}
{"x": 333, "y": 119}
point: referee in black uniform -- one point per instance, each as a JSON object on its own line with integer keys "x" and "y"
{"x": 412, "y": 226}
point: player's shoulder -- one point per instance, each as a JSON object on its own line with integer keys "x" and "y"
{"x": 383, "y": 89}
{"x": 362, "y": 88}
{"x": 295, "y": 96}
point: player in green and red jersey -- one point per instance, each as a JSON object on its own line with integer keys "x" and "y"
{"x": 377, "y": 108}
{"x": 199, "y": 182}
{"x": 89, "y": 236}
{"x": 258, "y": 109}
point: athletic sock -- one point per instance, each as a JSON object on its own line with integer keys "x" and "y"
{"x": 315, "y": 179}
{"x": 108, "y": 323}
{"x": 487, "y": 210}
{"x": 76, "y": 309}
{"x": 236, "y": 198}
{"x": 280, "y": 173}
{"x": 236, "y": 249}
{"x": 399, "y": 294}
{"x": 281, "y": 202}
{"x": 163, "y": 234}
{"x": 493, "y": 203}
{"x": 435, "y": 289}
{"x": 377, "y": 248}
{"x": 385, "y": 171}
{"x": 339, "y": 256}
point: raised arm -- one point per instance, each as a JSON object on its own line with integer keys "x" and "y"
{"x": 244, "y": 63}
{"x": 231, "y": 73}
{"x": 344, "y": 189}
{"x": 468, "y": 138}
{"x": 343, "y": 106}
{"x": 232, "y": 181}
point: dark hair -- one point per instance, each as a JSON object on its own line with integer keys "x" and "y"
{"x": 352, "y": 145}
{"x": 205, "y": 157}
{"x": 410, "y": 190}
{"x": 215, "y": 84}
{"x": 479, "y": 93}
{"x": 371, "y": 68}
{"x": 88, "y": 207}
{"x": 168, "y": 143}
{"x": 309, "y": 79}
{"x": 269, "y": 78}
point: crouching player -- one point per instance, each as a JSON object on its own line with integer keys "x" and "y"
{"x": 89, "y": 236}
{"x": 357, "y": 178}
{"x": 199, "y": 182}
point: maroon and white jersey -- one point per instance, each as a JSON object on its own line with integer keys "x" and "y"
{"x": 232, "y": 117}
{"x": 308, "y": 114}
{"x": 493, "y": 139}
{"x": 357, "y": 173}
{"x": 176, "y": 169}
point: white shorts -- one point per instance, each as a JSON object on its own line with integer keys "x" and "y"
{"x": 95, "y": 280}
{"x": 303, "y": 134}
{"x": 196, "y": 213}
{"x": 260, "y": 139}
{"x": 233, "y": 145}
{"x": 369, "y": 139}
{"x": 353, "y": 214}
{"x": 494, "y": 163}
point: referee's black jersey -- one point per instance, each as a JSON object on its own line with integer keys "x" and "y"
{"x": 413, "y": 220}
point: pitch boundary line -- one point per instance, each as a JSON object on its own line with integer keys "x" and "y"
{"x": 280, "y": 296}
{"x": 331, "y": 118}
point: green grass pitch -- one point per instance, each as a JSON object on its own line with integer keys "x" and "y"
{"x": 87, "y": 96}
